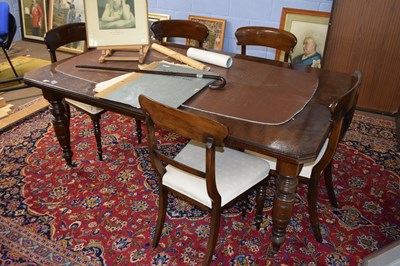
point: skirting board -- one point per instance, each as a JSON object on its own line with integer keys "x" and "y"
{"x": 388, "y": 256}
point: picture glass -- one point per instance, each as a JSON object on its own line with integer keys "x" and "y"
{"x": 117, "y": 23}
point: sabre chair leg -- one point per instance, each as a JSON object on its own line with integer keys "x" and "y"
{"x": 68, "y": 111}
{"x": 312, "y": 206}
{"x": 139, "y": 130}
{"x": 97, "y": 133}
{"x": 214, "y": 230}
{"x": 243, "y": 206}
{"x": 260, "y": 199}
{"x": 329, "y": 185}
{"x": 162, "y": 211}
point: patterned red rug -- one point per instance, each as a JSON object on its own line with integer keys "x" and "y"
{"x": 105, "y": 212}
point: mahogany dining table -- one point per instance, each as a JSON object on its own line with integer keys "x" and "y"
{"x": 293, "y": 142}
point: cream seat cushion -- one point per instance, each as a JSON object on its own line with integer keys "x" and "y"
{"x": 236, "y": 172}
{"x": 87, "y": 107}
{"x": 307, "y": 167}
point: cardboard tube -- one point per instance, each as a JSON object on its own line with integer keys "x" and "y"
{"x": 210, "y": 57}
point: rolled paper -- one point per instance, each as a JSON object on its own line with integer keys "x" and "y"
{"x": 210, "y": 57}
{"x": 180, "y": 57}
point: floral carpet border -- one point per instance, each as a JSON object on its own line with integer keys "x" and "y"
{"x": 35, "y": 248}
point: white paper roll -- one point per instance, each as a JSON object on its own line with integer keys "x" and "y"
{"x": 210, "y": 57}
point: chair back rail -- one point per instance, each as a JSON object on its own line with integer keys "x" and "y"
{"x": 186, "y": 125}
{"x": 180, "y": 29}
{"x": 62, "y": 35}
{"x": 266, "y": 36}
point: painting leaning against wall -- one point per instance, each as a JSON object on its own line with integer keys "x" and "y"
{"x": 310, "y": 28}
{"x": 216, "y": 35}
{"x": 65, "y": 12}
{"x": 34, "y": 19}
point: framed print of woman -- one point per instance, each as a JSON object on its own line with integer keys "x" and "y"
{"x": 311, "y": 57}
{"x": 115, "y": 23}
{"x": 310, "y": 28}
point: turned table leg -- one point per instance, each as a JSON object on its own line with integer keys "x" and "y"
{"x": 285, "y": 196}
{"x": 61, "y": 125}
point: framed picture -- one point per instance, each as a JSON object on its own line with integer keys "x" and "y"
{"x": 67, "y": 11}
{"x": 120, "y": 25}
{"x": 216, "y": 27}
{"x": 33, "y": 19}
{"x": 310, "y": 28}
{"x": 153, "y": 17}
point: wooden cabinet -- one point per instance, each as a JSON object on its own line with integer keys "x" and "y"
{"x": 365, "y": 35}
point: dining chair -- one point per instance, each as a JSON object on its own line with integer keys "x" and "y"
{"x": 342, "y": 112}
{"x": 8, "y": 28}
{"x": 266, "y": 36}
{"x": 63, "y": 35}
{"x": 176, "y": 28}
{"x": 204, "y": 172}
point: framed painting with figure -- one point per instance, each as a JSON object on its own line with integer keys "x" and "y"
{"x": 33, "y": 19}
{"x": 216, "y": 27}
{"x": 310, "y": 28}
{"x": 153, "y": 17}
{"x": 117, "y": 23}
{"x": 67, "y": 11}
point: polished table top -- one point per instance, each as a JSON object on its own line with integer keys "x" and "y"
{"x": 291, "y": 140}
{"x": 293, "y": 143}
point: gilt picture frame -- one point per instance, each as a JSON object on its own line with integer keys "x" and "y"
{"x": 304, "y": 24}
{"x": 216, "y": 27}
{"x": 33, "y": 19}
{"x": 153, "y": 17}
{"x": 129, "y": 29}
{"x": 62, "y": 12}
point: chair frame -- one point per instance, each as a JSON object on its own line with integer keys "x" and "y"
{"x": 17, "y": 82}
{"x": 342, "y": 113}
{"x": 8, "y": 38}
{"x": 268, "y": 37}
{"x": 204, "y": 130}
{"x": 180, "y": 29}
{"x": 56, "y": 37}
{"x": 62, "y": 35}
{"x": 69, "y": 33}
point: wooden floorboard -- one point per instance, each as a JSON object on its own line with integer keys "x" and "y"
{"x": 18, "y": 116}
{"x": 25, "y": 96}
